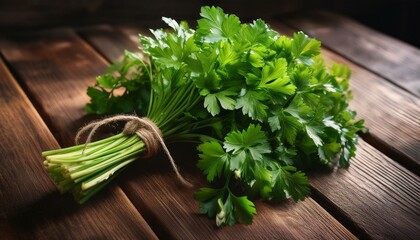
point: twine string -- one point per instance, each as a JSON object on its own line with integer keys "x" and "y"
{"x": 144, "y": 128}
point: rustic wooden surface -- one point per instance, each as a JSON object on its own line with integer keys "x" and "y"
{"x": 377, "y": 197}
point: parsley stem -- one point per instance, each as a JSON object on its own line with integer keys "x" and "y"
{"x": 86, "y": 171}
{"x": 77, "y": 147}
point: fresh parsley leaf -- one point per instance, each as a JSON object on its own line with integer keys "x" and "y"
{"x": 216, "y": 25}
{"x": 212, "y": 159}
{"x": 128, "y": 77}
{"x": 286, "y": 126}
{"x": 304, "y": 48}
{"x": 98, "y": 98}
{"x": 244, "y": 210}
{"x": 229, "y": 209}
{"x": 208, "y": 198}
{"x": 223, "y": 97}
{"x": 286, "y": 155}
{"x": 314, "y": 132}
{"x": 252, "y": 141}
{"x": 298, "y": 109}
{"x": 252, "y": 104}
{"x": 289, "y": 185}
{"x": 227, "y": 55}
{"x": 257, "y": 32}
{"x": 274, "y": 77}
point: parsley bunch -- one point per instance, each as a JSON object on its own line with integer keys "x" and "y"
{"x": 261, "y": 106}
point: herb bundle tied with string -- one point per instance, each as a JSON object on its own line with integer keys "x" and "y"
{"x": 259, "y": 105}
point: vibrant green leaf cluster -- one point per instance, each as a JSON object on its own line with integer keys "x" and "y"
{"x": 125, "y": 92}
{"x": 271, "y": 105}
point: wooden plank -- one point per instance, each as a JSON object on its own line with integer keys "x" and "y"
{"x": 171, "y": 207}
{"x": 376, "y": 193}
{"x": 390, "y": 58}
{"x": 112, "y": 40}
{"x": 48, "y": 65}
{"x": 391, "y": 114}
{"x": 30, "y": 205}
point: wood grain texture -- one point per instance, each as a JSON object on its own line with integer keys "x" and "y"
{"x": 391, "y": 114}
{"x": 171, "y": 208}
{"x": 30, "y": 204}
{"x": 375, "y": 192}
{"x": 390, "y": 58}
{"x": 49, "y": 64}
{"x": 112, "y": 41}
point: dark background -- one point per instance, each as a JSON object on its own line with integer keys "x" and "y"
{"x": 398, "y": 18}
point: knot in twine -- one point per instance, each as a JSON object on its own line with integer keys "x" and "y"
{"x": 142, "y": 127}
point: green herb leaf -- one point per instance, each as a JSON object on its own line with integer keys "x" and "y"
{"x": 208, "y": 200}
{"x": 274, "y": 77}
{"x": 287, "y": 184}
{"x": 304, "y": 48}
{"x": 223, "y": 97}
{"x": 252, "y": 141}
{"x": 252, "y": 105}
{"x": 244, "y": 210}
{"x": 216, "y": 25}
{"x": 212, "y": 159}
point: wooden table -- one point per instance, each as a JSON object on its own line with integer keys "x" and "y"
{"x": 43, "y": 79}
